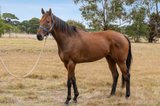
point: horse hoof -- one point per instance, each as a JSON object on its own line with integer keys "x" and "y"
{"x": 75, "y": 100}
{"x": 66, "y": 102}
{"x": 127, "y": 96}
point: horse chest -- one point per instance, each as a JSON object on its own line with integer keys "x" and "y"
{"x": 64, "y": 57}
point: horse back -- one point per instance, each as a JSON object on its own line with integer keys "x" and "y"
{"x": 113, "y": 43}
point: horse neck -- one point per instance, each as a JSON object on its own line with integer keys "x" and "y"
{"x": 61, "y": 39}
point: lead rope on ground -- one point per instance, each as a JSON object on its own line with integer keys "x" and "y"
{"x": 32, "y": 69}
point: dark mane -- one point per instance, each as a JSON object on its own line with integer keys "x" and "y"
{"x": 64, "y": 27}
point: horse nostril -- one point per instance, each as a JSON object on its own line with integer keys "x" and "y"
{"x": 39, "y": 37}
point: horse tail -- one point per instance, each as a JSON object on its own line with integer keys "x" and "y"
{"x": 129, "y": 57}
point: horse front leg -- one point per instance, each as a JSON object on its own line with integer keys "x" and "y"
{"x": 76, "y": 93}
{"x": 69, "y": 91}
{"x": 70, "y": 66}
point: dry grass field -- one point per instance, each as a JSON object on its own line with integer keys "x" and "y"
{"x": 46, "y": 86}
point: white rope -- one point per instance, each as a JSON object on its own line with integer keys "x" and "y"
{"x": 32, "y": 69}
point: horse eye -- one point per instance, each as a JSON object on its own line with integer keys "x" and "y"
{"x": 47, "y": 21}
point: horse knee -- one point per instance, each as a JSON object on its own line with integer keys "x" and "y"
{"x": 127, "y": 77}
{"x": 69, "y": 82}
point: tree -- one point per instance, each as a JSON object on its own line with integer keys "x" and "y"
{"x": 11, "y": 21}
{"x": 135, "y": 33}
{"x": 4, "y": 27}
{"x": 101, "y": 13}
{"x": 154, "y": 25}
{"x": 77, "y": 24}
{"x": 154, "y": 20}
{"x": 34, "y": 24}
{"x": 152, "y": 16}
{"x": 24, "y": 26}
{"x": 1, "y": 27}
{"x": 30, "y": 26}
{"x": 9, "y": 18}
{"x": 138, "y": 28}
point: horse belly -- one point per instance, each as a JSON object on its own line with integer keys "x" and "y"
{"x": 90, "y": 55}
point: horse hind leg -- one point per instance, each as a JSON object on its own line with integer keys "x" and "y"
{"x": 126, "y": 75}
{"x": 123, "y": 82}
{"x": 115, "y": 75}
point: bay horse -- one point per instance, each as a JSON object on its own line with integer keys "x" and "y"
{"x": 78, "y": 46}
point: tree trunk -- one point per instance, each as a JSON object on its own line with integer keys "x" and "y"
{"x": 157, "y": 10}
{"x": 105, "y": 27}
{"x": 151, "y": 38}
{"x": 104, "y": 4}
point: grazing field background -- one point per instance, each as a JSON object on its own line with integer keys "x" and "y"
{"x": 46, "y": 86}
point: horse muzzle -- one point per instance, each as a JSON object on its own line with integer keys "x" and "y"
{"x": 40, "y": 37}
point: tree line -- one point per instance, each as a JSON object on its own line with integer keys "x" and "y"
{"x": 10, "y": 23}
{"x": 136, "y": 18}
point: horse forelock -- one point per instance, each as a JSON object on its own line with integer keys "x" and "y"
{"x": 44, "y": 17}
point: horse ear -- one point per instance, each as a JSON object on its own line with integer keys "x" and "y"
{"x": 43, "y": 12}
{"x": 50, "y": 11}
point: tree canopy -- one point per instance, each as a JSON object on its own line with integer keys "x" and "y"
{"x": 132, "y": 17}
{"x": 4, "y": 27}
{"x": 77, "y": 24}
{"x": 29, "y": 26}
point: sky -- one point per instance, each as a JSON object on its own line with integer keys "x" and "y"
{"x": 27, "y": 9}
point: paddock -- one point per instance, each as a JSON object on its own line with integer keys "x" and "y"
{"x": 46, "y": 86}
